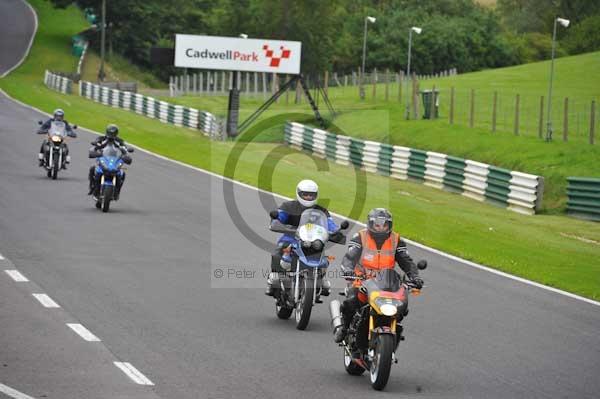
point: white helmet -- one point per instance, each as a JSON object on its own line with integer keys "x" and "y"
{"x": 307, "y": 193}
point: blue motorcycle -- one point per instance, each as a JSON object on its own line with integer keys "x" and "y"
{"x": 301, "y": 286}
{"x": 109, "y": 167}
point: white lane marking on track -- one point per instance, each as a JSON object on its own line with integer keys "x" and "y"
{"x": 133, "y": 373}
{"x": 17, "y": 276}
{"x": 13, "y": 393}
{"x": 35, "y": 19}
{"x": 83, "y": 332}
{"x": 46, "y": 301}
{"x": 422, "y": 246}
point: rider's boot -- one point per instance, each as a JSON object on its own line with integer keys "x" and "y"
{"x": 339, "y": 334}
{"x": 326, "y": 287}
{"x": 67, "y": 161}
{"x": 271, "y": 281}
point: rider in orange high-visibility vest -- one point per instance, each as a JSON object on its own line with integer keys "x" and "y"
{"x": 375, "y": 248}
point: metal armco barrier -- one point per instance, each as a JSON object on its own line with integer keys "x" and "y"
{"x": 152, "y": 108}
{"x": 584, "y": 198}
{"x": 58, "y": 83}
{"x": 519, "y": 192}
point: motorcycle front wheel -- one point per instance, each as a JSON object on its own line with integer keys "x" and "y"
{"x": 55, "y": 169}
{"x": 305, "y": 303}
{"x": 382, "y": 361}
{"x": 107, "y": 196}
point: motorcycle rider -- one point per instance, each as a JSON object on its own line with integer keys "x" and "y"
{"x": 307, "y": 193}
{"x": 374, "y": 248}
{"x": 111, "y": 136}
{"x": 58, "y": 116}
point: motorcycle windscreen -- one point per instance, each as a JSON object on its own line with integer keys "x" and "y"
{"x": 110, "y": 159}
{"x": 313, "y": 226}
{"x": 387, "y": 280}
{"x": 57, "y": 128}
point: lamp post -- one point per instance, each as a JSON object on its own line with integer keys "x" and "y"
{"x": 418, "y": 31}
{"x": 362, "y": 73}
{"x": 565, "y": 23}
{"x": 101, "y": 73}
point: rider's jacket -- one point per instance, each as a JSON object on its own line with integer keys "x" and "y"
{"x": 366, "y": 253}
{"x": 289, "y": 213}
{"x": 46, "y": 126}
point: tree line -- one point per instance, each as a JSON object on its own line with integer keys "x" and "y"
{"x": 456, "y": 33}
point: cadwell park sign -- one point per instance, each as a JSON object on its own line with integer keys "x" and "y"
{"x": 237, "y": 54}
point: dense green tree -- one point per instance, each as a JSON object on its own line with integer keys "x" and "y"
{"x": 456, "y": 33}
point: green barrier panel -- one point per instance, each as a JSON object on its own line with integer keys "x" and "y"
{"x": 454, "y": 174}
{"x": 584, "y": 198}
{"x": 498, "y": 185}
{"x": 121, "y": 99}
{"x": 356, "y": 152}
{"x": 171, "y": 113}
{"x": 186, "y": 117}
{"x": 156, "y": 109}
{"x": 307, "y": 139}
{"x": 287, "y": 133}
{"x": 330, "y": 145}
{"x": 416, "y": 164}
{"x": 145, "y": 105}
{"x": 384, "y": 160}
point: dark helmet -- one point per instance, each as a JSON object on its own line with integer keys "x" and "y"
{"x": 112, "y": 131}
{"x": 59, "y": 114}
{"x": 379, "y": 223}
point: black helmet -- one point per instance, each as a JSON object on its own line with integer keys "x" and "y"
{"x": 112, "y": 131}
{"x": 379, "y": 223}
{"x": 59, "y": 114}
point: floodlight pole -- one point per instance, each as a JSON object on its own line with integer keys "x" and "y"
{"x": 364, "y": 54}
{"x": 565, "y": 23}
{"x": 101, "y": 73}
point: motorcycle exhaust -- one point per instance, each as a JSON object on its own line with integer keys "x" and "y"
{"x": 335, "y": 313}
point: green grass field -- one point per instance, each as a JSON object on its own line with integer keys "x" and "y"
{"x": 554, "y": 250}
{"x": 380, "y": 120}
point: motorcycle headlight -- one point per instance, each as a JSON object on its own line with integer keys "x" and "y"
{"x": 317, "y": 245}
{"x": 56, "y": 139}
{"x": 388, "y": 306}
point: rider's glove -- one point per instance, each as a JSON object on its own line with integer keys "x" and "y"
{"x": 416, "y": 282}
{"x": 347, "y": 272}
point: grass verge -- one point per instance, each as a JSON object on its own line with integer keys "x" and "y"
{"x": 553, "y": 250}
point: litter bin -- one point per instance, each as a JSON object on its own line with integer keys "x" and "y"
{"x": 428, "y": 113}
{"x": 78, "y": 45}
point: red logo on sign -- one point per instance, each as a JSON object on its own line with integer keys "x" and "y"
{"x": 275, "y": 60}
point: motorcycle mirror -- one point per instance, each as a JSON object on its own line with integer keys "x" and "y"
{"x": 422, "y": 265}
{"x": 344, "y": 225}
{"x": 74, "y": 126}
{"x": 129, "y": 149}
{"x": 274, "y": 214}
{"x": 40, "y": 123}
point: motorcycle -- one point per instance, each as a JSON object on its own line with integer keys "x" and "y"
{"x": 300, "y": 286}
{"x": 54, "y": 157}
{"x": 375, "y": 331}
{"x": 111, "y": 161}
